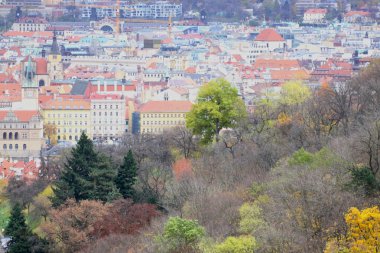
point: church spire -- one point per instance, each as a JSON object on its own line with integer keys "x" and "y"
{"x": 54, "y": 47}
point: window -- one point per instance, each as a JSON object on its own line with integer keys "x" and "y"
{"x": 16, "y": 136}
{"x": 4, "y": 136}
{"x": 5, "y": 146}
{"x": 10, "y": 136}
{"x": 24, "y": 146}
{"x": 10, "y": 146}
{"x": 16, "y": 146}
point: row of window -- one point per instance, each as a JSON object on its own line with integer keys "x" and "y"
{"x": 106, "y": 122}
{"x": 105, "y": 128}
{"x": 164, "y": 122}
{"x": 76, "y": 130}
{"x": 11, "y": 136}
{"x": 66, "y": 115}
{"x": 155, "y": 115}
{"x": 105, "y": 114}
{"x": 24, "y": 126}
{"x": 68, "y": 123}
{"x": 105, "y": 106}
{"x": 10, "y": 146}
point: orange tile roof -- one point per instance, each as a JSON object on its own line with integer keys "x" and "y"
{"x": 269, "y": 35}
{"x": 166, "y": 106}
{"x": 66, "y": 104}
{"x": 289, "y": 74}
{"x": 360, "y": 13}
{"x": 316, "y": 11}
{"x": 22, "y": 116}
{"x": 276, "y": 64}
{"x": 41, "y": 66}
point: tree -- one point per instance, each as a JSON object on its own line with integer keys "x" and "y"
{"x": 293, "y": 93}
{"x": 75, "y": 181}
{"x": 18, "y": 231}
{"x": 102, "y": 178}
{"x": 241, "y": 244}
{"x": 71, "y": 226}
{"x": 126, "y": 176}
{"x": 181, "y": 235}
{"x": 363, "y": 232}
{"x": 218, "y": 106}
{"x": 50, "y": 131}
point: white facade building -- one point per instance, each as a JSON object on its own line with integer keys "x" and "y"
{"x": 108, "y": 116}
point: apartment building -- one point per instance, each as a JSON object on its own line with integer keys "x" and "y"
{"x": 20, "y": 134}
{"x": 157, "y": 116}
{"x": 70, "y": 117}
{"x": 159, "y": 9}
{"x": 108, "y": 116}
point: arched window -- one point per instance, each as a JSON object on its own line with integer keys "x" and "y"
{"x": 16, "y": 146}
{"x": 10, "y": 146}
{"x": 4, "y": 136}
{"x": 16, "y": 136}
{"x": 10, "y": 136}
{"x": 5, "y": 146}
{"x": 24, "y": 146}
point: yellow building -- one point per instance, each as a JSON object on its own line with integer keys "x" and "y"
{"x": 70, "y": 117}
{"x": 157, "y": 116}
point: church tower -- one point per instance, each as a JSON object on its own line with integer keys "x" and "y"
{"x": 55, "y": 65}
{"x": 29, "y": 84}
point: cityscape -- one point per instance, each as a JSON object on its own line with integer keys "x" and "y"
{"x": 153, "y": 117}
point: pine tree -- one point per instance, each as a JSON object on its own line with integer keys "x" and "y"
{"x": 126, "y": 176}
{"x": 18, "y": 231}
{"x": 102, "y": 177}
{"x": 75, "y": 180}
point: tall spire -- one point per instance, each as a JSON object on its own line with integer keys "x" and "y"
{"x": 54, "y": 46}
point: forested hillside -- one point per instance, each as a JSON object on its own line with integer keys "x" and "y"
{"x": 297, "y": 173}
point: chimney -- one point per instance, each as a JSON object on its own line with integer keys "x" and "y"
{"x": 115, "y": 85}
{"x": 105, "y": 85}
{"x": 98, "y": 86}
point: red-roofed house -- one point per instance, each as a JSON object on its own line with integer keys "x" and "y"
{"x": 314, "y": 16}
{"x": 157, "y": 116}
{"x": 357, "y": 17}
{"x": 267, "y": 41}
{"x": 20, "y": 170}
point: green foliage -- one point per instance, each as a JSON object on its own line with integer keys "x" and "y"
{"x": 181, "y": 235}
{"x": 218, "y": 106}
{"x": 322, "y": 159}
{"x": 301, "y": 157}
{"x": 293, "y": 93}
{"x": 364, "y": 179}
{"x": 86, "y": 175}
{"x": 102, "y": 177}
{"x": 241, "y": 244}
{"x": 251, "y": 218}
{"x": 126, "y": 177}
{"x": 19, "y": 231}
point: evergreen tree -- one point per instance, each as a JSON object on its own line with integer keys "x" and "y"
{"x": 18, "y": 231}
{"x": 102, "y": 177}
{"x": 126, "y": 176}
{"x": 75, "y": 181}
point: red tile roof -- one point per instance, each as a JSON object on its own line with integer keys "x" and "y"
{"x": 276, "y": 64}
{"x": 22, "y": 116}
{"x": 166, "y": 106}
{"x": 269, "y": 35}
{"x": 316, "y": 11}
{"x": 41, "y": 66}
{"x": 359, "y": 13}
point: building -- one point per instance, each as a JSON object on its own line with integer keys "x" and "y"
{"x": 156, "y": 116}
{"x": 108, "y": 116}
{"x": 55, "y": 64}
{"x": 24, "y": 2}
{"x": 266, "y": 42}
{"x": 21, "y": 134}
{"x": 30, "y": 24}
{"x": 70, "y": 117}
{"x": 155, "y": 10}
{"x": 358, "y": 17}
{"x": 314, "y": 16}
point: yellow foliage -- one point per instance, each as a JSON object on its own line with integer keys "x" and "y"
{"x": 363, "y": 234}
{"x": 284, "y": 119}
